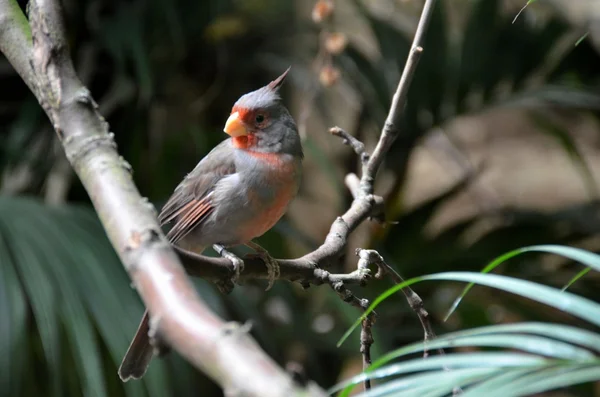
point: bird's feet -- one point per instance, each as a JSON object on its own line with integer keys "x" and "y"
{"x": 270, "y": 262}
{"x": 237, "y": 266}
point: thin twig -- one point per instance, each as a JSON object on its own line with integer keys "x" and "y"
{"x": 366, "y": 335}
{"x": 372, "y": 257}
{"x": 363, "y": 190}
{"x": 366, "y": 340}
{"x": 391, "y": 127}
{"x": 355, "y": 144}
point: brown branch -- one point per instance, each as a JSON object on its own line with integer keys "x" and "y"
{"x": 218, "y": 270}
{"x": 391, "y": 127}
{"x": 15, "y": 42}
{"x": 366, "y": 336}
{"x": 178, "y": 314}
{"x": 366, "y": 340}
{"x": 372, "y": 257}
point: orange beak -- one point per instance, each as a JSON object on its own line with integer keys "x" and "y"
{"x": 235, "y": 126}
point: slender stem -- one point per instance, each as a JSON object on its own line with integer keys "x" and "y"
{"x": 391, "y": 127}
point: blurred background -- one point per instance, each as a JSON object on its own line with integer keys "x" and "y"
{"x": 498, "y": 150}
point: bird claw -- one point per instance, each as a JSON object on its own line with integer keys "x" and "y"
{"x": 273, "y": 270}
{"x": 237, "y": 265}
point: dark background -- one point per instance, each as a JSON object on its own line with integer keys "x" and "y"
{"x": 498, "y": 150}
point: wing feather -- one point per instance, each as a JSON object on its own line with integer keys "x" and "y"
{"x": 191, "y": 201}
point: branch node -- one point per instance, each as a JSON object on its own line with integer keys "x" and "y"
{"x": 322, "y": 275}
{"x": 148, "y": 205}
{"x": 127, "y": 167}
{"x": 84, "y": 97}
{"x": 390, "y": 126}
{"x": 236, "y": 329}
{"x": 355, "y": 144}
{"x": 77, "y": 147}
{"x": 366, "y": 184}
{"x": 353, "y": 184}
{"x": 296, "y": 370}
{"x": 364, "y": 275}
{"x": 371, "y": 257}
{"x": 364, "y": 303}
{"x": 144, "y": 237}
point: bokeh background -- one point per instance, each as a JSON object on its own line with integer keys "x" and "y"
{"x": 498, "y": 150}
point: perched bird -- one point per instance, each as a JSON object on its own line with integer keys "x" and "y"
{"x": 235, "y": 194}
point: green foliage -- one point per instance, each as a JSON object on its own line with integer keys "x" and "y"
{"x": 557, "y": 355}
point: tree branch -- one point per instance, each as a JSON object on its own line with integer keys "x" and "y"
{"x": 391, "y": 127}
{"x": 15, "y": 41}
{"x": 182, "y": 319}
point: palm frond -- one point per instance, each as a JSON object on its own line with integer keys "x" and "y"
{"x": 61, "y": 282}
{"x": 549, "y": 355}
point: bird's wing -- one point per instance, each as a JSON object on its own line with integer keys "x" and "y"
{"x": 191, "y": 201}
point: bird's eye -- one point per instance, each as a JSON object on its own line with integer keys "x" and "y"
{"x": 260, "y": 118}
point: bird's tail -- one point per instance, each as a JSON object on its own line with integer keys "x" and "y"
{"x": 140, "y": 352}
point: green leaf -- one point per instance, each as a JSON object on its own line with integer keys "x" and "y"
{"x": 547, "y": 379}
{"x": 579, "y": 40}
{"x": 460, "y": 360}
{"x": 496, "y": 381}
{"x": 104, "y": 286}
{"x": 77, "y": 323}
{"x": 41, "y": 295}
{"x": 577, "y": 277}
{"x": 64, "y": 270}
{"x": 445, "y": 380}
{"x": 590, "y": 259}
{"x": 13, "y": 327}
{"x": 567, "y": 302}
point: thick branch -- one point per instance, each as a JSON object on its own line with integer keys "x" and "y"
{"x": 181, "y": 318}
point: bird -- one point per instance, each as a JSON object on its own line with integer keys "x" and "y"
{"x": 235, "y": 194}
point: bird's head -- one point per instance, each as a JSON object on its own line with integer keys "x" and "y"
{"x": 260, "y": 122}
